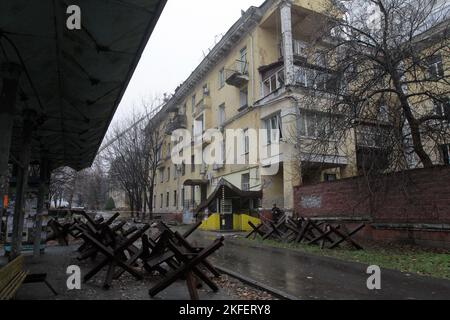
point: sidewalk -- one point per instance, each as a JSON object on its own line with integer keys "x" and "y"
{"x": 55, "y": 262}
{"x": 312, "y": 277}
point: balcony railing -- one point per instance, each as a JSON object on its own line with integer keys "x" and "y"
{"x": 237, "y": 74}
{"x": 316, "y": 79}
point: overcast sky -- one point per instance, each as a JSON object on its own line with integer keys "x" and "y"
{"x": 184, "y": 33}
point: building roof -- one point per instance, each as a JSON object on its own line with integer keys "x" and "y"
{"x": 73, "y": 79}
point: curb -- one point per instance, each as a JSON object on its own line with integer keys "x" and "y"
{"x": 275, "y": 292}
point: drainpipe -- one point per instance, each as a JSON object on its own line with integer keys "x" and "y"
{"x": 10, "y": 73}
{"x": 253, "y": 67}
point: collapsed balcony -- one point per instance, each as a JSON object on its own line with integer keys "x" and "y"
{"x": 237, "y": 74}
{"x": 178, "y": 122}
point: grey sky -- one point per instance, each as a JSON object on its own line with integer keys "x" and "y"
{"x": 182, "y": 36}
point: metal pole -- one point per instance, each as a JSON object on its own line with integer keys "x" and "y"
{"x": 22, "y": 182}
{"x": 44, "y": 180}
{"x": 10, "y": 73}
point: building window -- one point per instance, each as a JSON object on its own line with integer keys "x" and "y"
{"x": 442, "y": 109}
{"x": 243, "y": 98}
{"x": 313, "y": 124}
{"x": 320, "y": 59}
{"x": 154, "y": 201}
{"x": 221, "y": 114}
{"x": 330, "y": 177}
{"x": 300, "y": 48}
{"x": 205, "y": 90}
{"x": 273, "y": 82}
{"x": 168, "y": 174}
{"x": 445, "y": 152}
{"x": 183, "y": 197}
{"x": 383, "y": 112}
{"x": 169, "y": 151}
{"x": 175, "y": 199}
{"x": 245, "y": 182}
{"x": 243, "y": 61}
{"x": 435, "y": 67}
{"x": 274, "y": 129}
{"x": 162, "y": 201}
{"x": 246, "y": 142}
{"x": 199, "y": 127}
{"x": 193, "y": 166}
{"x": 183, "y": 169}
{"x": 159, "y": 154}
{"x": 161, "y": 175}
{"x": 221, "y": 78}
{"x": 167, "y": 199}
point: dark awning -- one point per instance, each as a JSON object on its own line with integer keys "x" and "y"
{"x": 74, "y": 79}
{"x": 193, "y": 182}
{"x": 230, "y": 189}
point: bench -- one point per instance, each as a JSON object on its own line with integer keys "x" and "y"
{"x": 11, "y": 278}
{"x": 13, "y": 275}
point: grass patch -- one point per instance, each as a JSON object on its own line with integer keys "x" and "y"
{"x": 409, "y": 259}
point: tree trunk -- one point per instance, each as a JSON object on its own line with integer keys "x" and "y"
{"x": 413, "y": 123}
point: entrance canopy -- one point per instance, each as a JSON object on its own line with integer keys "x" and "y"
{"x": 73, "y": 79}
{"x": 230, "y": 191}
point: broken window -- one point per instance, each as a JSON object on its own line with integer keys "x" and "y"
{"x": 274, "y": 129}
{"x": 273, "y": 82}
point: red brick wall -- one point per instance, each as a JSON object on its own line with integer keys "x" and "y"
{"x": 415, "y": 197}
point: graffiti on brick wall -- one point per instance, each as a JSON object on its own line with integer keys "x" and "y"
{"x": 310, "y": 202}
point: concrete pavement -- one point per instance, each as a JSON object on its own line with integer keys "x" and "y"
{"x": 311, "y": 277}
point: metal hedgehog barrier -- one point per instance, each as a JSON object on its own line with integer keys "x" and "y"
{"x": 289, "y": 230}
{"x": 169, "y": 253}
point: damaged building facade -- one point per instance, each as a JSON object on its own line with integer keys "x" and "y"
{"x": 250, "y": 80}
{"x": 255, "y": 77}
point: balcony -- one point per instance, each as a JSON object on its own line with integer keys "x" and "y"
{"x": 237, "y": 74}
{"x": 202, "y": 105}
{"x": 316, "y": 79}
{"x": 178, "y": 122}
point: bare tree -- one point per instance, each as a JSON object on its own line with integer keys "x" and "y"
{"x": 88, "y": 188}
{"x": 384, "y": 86}
{"x": 134, "y": 156}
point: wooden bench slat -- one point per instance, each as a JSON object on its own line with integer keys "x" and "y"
{"x": 11, "y": 288}
{"x": 10, "y": 270}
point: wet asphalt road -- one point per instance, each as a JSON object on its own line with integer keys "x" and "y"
{"x": 313, "y": 277}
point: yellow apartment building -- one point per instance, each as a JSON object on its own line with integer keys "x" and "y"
{"x": 249, "y": 81}
{"x": 253, "y": 79}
